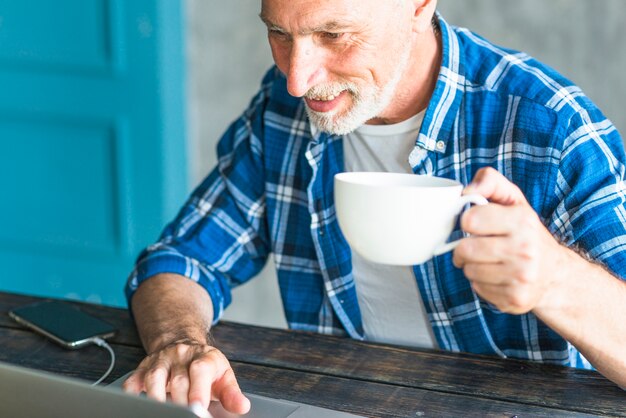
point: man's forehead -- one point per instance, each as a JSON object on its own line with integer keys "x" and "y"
{"x": 314, "y": 4}
{"x": 310, "y": 15}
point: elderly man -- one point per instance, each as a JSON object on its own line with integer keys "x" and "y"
{"x": 390, "y": 86}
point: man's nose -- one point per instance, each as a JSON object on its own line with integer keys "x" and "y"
{"x": 305, "y": 68}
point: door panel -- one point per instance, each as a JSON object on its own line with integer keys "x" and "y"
{"x": 92, "y": 140}
{"x": 69, "y": 35}
{"x": 47, "y": 217}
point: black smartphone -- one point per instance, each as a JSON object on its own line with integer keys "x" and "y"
{"x": 62, "y": 323}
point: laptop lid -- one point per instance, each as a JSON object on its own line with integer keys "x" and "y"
{"x": 27, "y": 393}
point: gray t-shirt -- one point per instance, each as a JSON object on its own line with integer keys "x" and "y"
{"x": 390, "y": 301}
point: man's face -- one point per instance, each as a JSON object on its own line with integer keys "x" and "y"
{"x": 345, "y": 57}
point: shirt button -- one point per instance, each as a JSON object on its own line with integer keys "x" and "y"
{"x": 440, "y": 145}
{"x": 321, "y": 231}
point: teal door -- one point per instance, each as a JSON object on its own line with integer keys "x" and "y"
{"x": 92, "y": 141}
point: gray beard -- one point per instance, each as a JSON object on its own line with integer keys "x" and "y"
{"x": 368, "y": 103}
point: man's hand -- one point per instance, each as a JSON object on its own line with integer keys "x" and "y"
{"x": 512, "y": 260}
{"x": 192, "y": 373}
{"x": 173, "y": 316}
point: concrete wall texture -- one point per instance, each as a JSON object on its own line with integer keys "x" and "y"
{"x": 228, "y": 54}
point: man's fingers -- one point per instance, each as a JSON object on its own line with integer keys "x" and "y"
{"x": 488, "y": 273}
{"x": 491, "y": 219}
{"x": 193, "y": 375}
{"x": 477, "y": 249}
{"x": 179, "y": 385}
{"x": 490, "y": 292}
{"x": 134, "y": 383}
{"x": 202, "y": 374}
{"x": 495, "y": 187}
{"x": 155, "y": 382}
{"x": 508, "y": 299}
{"x": 211, "y": 377}
{"x": 228, "y": 392}
{"x": 495, "y": 219}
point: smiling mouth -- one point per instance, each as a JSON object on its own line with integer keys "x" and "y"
{"x": 324, "y": 103}
{"x": 326, "y": 98}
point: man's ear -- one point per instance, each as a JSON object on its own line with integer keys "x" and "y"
{"x": 423, "y": 15}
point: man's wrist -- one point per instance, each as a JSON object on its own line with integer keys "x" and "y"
{"x": 567, "y": 266}
{"x": 561, "y": 262}
{"x": 168, "y": 340}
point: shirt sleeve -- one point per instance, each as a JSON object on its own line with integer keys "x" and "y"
{"x": 219, "y": 238}
{"x": 591, "y": 215}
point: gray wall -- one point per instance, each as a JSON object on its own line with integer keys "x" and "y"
{"x": 228, "y": 53}
{"x": 227, "y": 57}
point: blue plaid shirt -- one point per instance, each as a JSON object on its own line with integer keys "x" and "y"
{"x": 272, "y": 192}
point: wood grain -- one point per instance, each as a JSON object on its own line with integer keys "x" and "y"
{"x": 479, "y": 376}
{"x": 341, "y": 373}
{"x": 355, "y": 396}
{"x": 378, "y": 399}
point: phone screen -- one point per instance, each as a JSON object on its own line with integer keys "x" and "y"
{"x": 62, "y": 322}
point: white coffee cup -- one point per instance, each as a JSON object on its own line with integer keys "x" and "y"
{"x": 399, "y": 219}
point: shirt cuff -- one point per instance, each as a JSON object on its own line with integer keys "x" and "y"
{"x": 169, "y": 261}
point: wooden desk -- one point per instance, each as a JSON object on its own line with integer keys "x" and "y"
{"x": 362, "y": 378}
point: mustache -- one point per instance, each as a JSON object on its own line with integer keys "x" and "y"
{"x": 332, "y": 89}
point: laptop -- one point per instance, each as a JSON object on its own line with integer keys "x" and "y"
{"x": 27, "y": 393}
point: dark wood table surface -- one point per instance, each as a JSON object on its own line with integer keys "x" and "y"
{"x": 339, "y": 373}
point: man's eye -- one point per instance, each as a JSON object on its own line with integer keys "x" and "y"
{"x": 332, "y": 35}
{"x": 277, "y": 34}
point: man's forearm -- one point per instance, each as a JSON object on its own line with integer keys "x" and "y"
{"x": 169, "y": 308}
{"x": 588, "y": 308}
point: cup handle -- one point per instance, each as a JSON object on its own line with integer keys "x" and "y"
{"x": 475, "y": 199}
